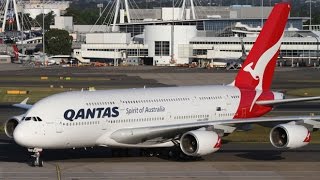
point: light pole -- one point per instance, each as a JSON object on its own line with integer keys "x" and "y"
{"x": 261, "y": 13}
{"x": 317, "y": 53}
{"x": 43, "y": 30}
{"x": 22, "y": 24}
{"x": 310, "y": 14}
{"x": 172, "y": 33}
{"x": 100, "y": 6}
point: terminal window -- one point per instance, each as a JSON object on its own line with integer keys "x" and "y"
{"x": 162, "y": 48}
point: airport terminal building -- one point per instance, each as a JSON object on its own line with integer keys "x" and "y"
{"x": 177, "y": 42}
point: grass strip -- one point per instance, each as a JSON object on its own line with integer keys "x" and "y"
{"x": 304, "y": 92}
{"x": 35, "y": 94}
{"x": 53, "y": 79}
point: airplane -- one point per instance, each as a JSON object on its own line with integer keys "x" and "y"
{"x": 18, "y": 57}
{"x": 191, "y": 118}
{"x": 38, "y": 57}
{"x": 230, "y": 63}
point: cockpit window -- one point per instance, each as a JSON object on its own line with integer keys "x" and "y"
{"x": 27, "y": 118}
{"x": 32, "y": 118}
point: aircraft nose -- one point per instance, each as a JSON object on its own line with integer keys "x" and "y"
{"x": 20, "y": 136}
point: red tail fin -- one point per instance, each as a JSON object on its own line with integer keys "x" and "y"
{"x": 257, "y": 70}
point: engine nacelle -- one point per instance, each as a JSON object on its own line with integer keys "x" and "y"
{"x": 199, "y": 143}
{"x": 11, "y": 124}
{"x": 289, "y": 136}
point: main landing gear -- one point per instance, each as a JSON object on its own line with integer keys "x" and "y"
{"x": 36, "y": 160}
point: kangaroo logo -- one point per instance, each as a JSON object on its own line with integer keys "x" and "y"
{"x": 308, "y": 138}
{"x": 257, "y": 71}
{"x": 218, "y": 144}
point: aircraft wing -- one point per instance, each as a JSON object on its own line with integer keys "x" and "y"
{"x": 284, "y": 101}
{"x": 23, "y": 104}
{"x": 136, "y": 135}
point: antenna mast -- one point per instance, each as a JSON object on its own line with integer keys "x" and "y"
{"x": 121, "y": 13}
{"x": 184, "y": 8}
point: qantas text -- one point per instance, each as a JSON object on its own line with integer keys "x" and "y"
{"x": 91, "y": 113}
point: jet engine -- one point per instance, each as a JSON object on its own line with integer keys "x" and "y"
{"x": 289, "y": 136}
{"x": 199, "y": 143}
{"x": 11, "y": 124}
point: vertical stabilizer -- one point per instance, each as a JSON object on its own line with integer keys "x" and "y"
{"x": 258, "y": 68}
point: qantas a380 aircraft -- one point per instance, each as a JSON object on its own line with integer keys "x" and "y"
{"x": 192, "y": 118}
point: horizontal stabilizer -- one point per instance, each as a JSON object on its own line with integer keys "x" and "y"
{"x": 284, "y": 101}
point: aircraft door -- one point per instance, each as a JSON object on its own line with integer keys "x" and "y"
{"x": 227, "y": 100}
{"x": 105, "y": 124}
{"x": 195, "y": 102}
{"x": 59, "y": 127}
{"x": 38, "y": 126}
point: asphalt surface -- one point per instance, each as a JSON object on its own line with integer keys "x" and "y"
{"x": 233, "y": 161}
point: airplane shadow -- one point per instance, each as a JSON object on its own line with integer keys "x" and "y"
{"x": 262, "y": 155}
{"x": 11, "y": 152}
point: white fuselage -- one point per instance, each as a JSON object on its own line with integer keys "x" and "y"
{"x": 85, "y": 119}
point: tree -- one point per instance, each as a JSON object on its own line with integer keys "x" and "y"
{"x": 84, "y": 15}
{"x": 58, "y": 42}
{"x": 48, "y": 20}
{"x": 28, "y": 21}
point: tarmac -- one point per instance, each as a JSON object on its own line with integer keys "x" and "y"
{"x": 167, "y": 170}
{"x": 233, "y": 161}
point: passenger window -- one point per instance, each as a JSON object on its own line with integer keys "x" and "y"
{"x": 39, "y": 119}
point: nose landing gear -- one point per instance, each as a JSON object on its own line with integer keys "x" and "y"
{"x": 36, "y": 160}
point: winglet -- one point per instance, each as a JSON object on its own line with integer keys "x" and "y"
{"x": 23, "y": 104}
{"x": 25, "y": 101}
